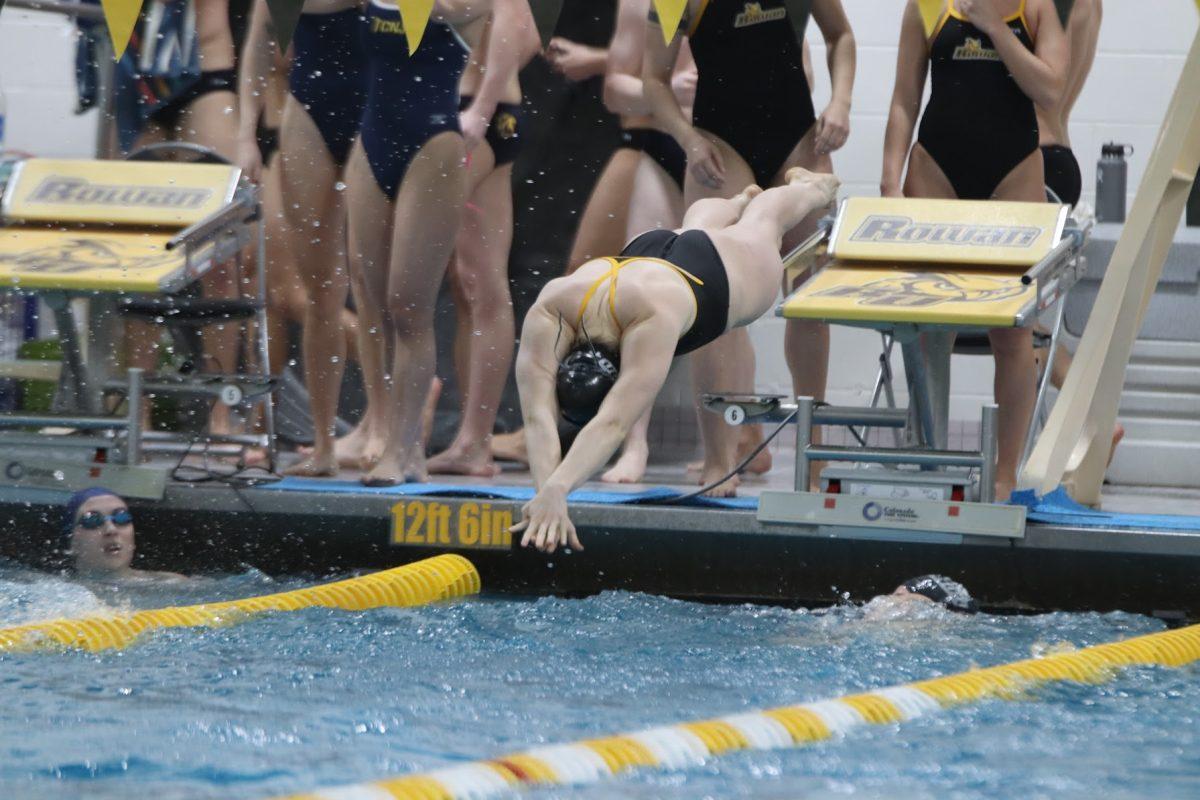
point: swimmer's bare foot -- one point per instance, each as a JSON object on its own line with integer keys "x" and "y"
{"x": 1118, "y": 435}
{"x": 390, "y": 470}
{"x": 510, "y": 447}
{"x": 630, "y": 467}
{"x": 348, "y": 449}
{"x": 750, "y": 438}
{"x": 465, "y": 459}
{"x": 712, "y": 473}
{"x": 256, "y": 457}
{"x": 759, "y": 465}
{"x": 826, "y": 183}
{"x": 314, "y": 466}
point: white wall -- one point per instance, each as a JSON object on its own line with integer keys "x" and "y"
{"x": 37, "y": 73}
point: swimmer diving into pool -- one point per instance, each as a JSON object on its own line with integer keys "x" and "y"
{"x": 597, "y": 344}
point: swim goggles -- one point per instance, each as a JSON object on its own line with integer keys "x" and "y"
{"x": 94, "y": 520}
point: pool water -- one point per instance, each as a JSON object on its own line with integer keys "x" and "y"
{"x": 290, "y": 702}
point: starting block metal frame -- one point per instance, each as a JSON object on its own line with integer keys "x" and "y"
{"x": 919, "y": 272}
{"x": 104, "y": 233}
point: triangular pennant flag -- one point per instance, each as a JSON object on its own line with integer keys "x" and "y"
{"x": 670, "y": 12}
{"x": 545, "y": 17}
{"x": 121, "y": 16}
{"x": 284, "y": 16}
{"x": 415, "y": 16}
{"x": 931, "y": 12}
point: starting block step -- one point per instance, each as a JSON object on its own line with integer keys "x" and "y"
{"x": 884, "y": 297}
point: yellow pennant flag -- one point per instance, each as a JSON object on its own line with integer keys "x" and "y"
{"x": 670, "y": 12}
{"x": 415, "y": 16}
{"x": 121, "y": 16}
{"x": 931, "y": 12}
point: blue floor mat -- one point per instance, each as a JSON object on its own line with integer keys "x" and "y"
{"x": 518, "y": 493}
{"x": 1057, "y": 508}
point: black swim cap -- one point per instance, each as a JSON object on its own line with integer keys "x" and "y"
{"x": 940, "y": 589}
{"x": 585, "y": 377}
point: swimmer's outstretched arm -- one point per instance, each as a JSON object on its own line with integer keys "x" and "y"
{"x": 544, "y": 340}
{"x": 647, "y": 348}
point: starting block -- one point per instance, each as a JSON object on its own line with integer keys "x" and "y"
{"x": 127, "y": 238}
{"x": 919, "y": 272}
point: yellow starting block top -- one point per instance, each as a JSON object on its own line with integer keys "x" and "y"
{"x": 36, "y": 258}
{"x": 158, "y": 194}
{"x": 964, "y": 299}
{"x": 978, "y": 233}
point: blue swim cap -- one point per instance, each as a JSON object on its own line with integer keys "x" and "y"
{"x": 76, "y": 501}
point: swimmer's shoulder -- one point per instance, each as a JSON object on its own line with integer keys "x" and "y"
{"x": 163, "y": 576}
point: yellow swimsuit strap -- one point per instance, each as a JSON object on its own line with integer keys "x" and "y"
{"x": 615, "y": 265}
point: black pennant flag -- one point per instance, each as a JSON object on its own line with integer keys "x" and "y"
{"x": 798, "y": 12}
{"x": 545, "y": 16}
{"x": 284, "y": 16}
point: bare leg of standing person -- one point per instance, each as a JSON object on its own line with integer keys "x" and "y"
{"x": 428, "y": 212}
{"x": 485, "y": 344}
{"x": 721, "y": 363}
{"x": 211, "y": 121}
{"x": 805, "y": 342}
{"x": 316, "y": 219}
{"x": 369, "y": 216}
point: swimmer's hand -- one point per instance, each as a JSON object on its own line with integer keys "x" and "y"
{"x": 545, "y": 521}
{"x": 833, "y": 128}
{"x": 704, "y": 160}
{"x": 983, "y": 14}
{"x": 574, "y": 61}
{"x": 474, "y": 127}
{"x": 249, "y": 158}
{"x": 683, "y": 85}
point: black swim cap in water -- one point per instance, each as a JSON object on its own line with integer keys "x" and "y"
{"x": 585, "y": 377}
{"x": 940, "y": 589}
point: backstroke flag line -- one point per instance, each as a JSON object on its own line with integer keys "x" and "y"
{"x": 121, "y": 16}
{"x": 284, "y": 16}
{"x": 670, "y": 12}
{"x": 415, "y": 16}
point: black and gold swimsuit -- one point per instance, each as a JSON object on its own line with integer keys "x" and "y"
{"x": 704, "y": 274}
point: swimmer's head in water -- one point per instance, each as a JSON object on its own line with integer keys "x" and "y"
{"x": 585, "y": 377}
{"x": 940, "y": 589}
{"x": 98, "y": 532}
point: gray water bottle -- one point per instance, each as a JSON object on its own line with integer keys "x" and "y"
{"x": 1111, "y": 180}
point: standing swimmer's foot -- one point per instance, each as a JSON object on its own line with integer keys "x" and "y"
{"x": 398, "y": 466}
{"x": 348, "y": 449}
{"x": 473, "y": 458}
{"x": 315, "y": 465}
{"x": 714, "y": 472}
{"x": 510, "y": 447}
{"x": 630, "y": 467}
{"x": 748, "y": 439}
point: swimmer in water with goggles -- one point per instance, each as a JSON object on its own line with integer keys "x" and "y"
{"x": 597, "y": 345}
{"x": 98, "y": 539}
